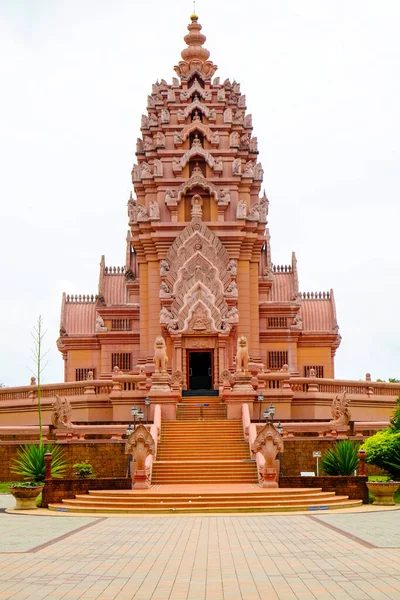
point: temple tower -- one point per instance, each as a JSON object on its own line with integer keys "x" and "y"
{"x": 198, "y": 267}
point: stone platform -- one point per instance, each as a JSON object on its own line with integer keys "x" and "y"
{"x": 222, "y": 498}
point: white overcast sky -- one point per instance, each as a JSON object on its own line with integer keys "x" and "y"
{"x": 322, "y": 79}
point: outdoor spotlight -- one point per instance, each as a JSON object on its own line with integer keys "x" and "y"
{"x": 140, "y": 414}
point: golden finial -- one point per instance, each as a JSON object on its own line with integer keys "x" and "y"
{"x": 193, "y": 16}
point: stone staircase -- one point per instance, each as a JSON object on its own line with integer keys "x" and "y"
{"x": 203, "y": 466}
{"x": 234, "y": 499}
{"x": 198, "y": 451}
{"x": 200, "y": 407}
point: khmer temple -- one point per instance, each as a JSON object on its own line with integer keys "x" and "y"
{"x": 198, "y": 269}
{"x": 177, "y": 366}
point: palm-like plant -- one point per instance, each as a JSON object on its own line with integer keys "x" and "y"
{"x": 341, "y": 459}
{"x": 30, "y": 462}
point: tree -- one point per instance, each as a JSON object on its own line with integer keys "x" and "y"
{"x": 38, "y": 357}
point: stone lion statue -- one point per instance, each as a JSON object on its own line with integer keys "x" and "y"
{"x": 160, "y": 355}
{"x": 242, "y": 355}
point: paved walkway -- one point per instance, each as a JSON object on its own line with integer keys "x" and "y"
{"x": 263, "y": 557}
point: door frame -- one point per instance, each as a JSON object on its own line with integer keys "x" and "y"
{"x": 188, "y": 352}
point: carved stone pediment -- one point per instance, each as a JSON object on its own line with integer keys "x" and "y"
{"x": 196, "y": 89}
{"x": 197, "y": 151}
{"x": 199, "y": 279}
{"x": 140, "y": 444}
{"x": 197, "y": 180}
{"x": 196, "y": 105}
{"x": 199, "y": 126}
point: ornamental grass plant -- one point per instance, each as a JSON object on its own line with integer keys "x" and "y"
{"x": 341, "y": 459}
{"x": 30, "y": 464}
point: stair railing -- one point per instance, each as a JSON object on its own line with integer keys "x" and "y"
{"x": 250, "y": 434}
{"x": 155, "y": 430}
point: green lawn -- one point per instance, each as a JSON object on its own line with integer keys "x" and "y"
{"x": 4, "y": 487}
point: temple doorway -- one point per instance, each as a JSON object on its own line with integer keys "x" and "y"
{"x": 200, "y": 370}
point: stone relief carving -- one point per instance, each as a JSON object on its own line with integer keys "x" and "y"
{"x": 158, "y": 168}
{"x": 248, "y": 121}
{"x": 176, "y": 165}
{"x": 238, "y": 118}
{"x": 148, "y": 145}
{"x": 228, "y": 115}
{"x": 164, "y": 267}
{"x": 145, "y": 171}
{"x": 159, "y": 140}
{"x": 234, "y": 140}
{"x": 241, "y": 209}
{"x": 199, "y": 321}
{"x": 242, "y": 355}
{"x": 340, "y": 410}
{"x": 224, "y": 197}
{"x": 165, "y": 116}
{"x": 232, "y": 268}
{"x": 165, "y": 292}
{"x": 236, "y": 166}
{"x": 139, "y": 146}
{"x": 215, "y": 139}
{"x": 170, "y": 197}
{"x": 258, "y": 172}
{"x": 178, "y": 141}
{"x": 221, "y": 95}
{"x": 226, "y": 377}
{"x": 197, "y": 203}
{"x": 245, "y": 142}
{"x": 232, "y": 316}
{"x": 132, "y": 210}
{"x": 249, "y": 169}
{"x": 253, "y": 146}
{"x": 171, "y": 97}
{"x": 242, "y": 101}
{"x": 135, "y": 173}
{"x": 154, "y": 210}
{"x": 153, "y": 121}
{"x": 218, "y": 165}
{"x": 144, "y": 124}
{"x": 232, "y": 290}
{"x": 99, "y": 325}
{"x": 62, "y": 413}
{"x": 298, "y": 321}
{"x": 150, "y": 102}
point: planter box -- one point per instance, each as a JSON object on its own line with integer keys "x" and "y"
{"x": 56, "y": 489}
{"x": 353, "y": 487}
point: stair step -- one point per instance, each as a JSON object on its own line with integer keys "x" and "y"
{"x": 201, "y": 509}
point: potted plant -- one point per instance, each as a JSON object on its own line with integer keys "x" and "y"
{"x": 25, "y": 494}
{"x": 383, "y": 450}
{"x": 30, "y": 465}
{"x": 83, "y": 469}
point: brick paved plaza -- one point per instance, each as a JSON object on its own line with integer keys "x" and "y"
{"x": 323, "y": 556}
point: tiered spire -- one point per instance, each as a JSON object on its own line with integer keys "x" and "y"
{"x": 195, "y": 57}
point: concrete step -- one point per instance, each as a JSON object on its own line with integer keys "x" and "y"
{"x": 201, "y": 510}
